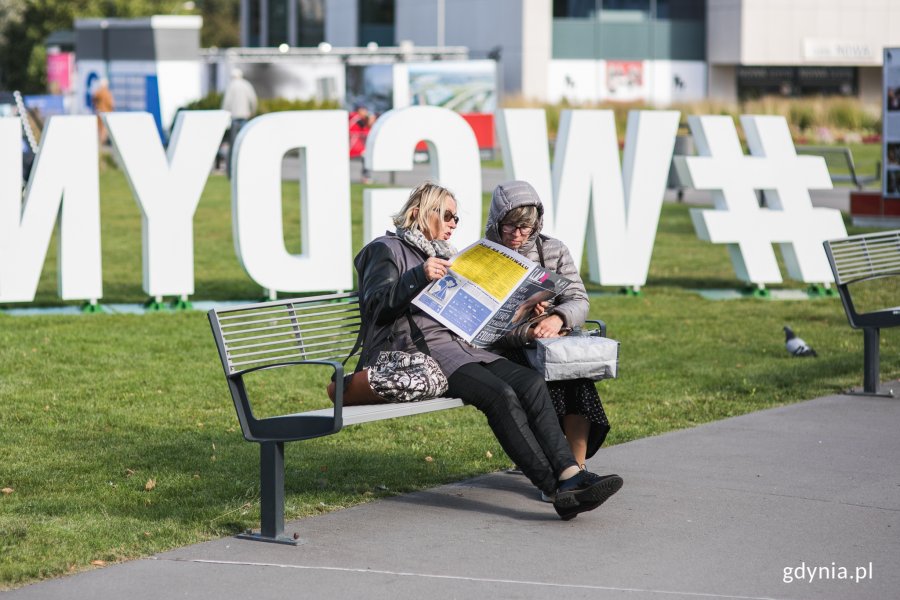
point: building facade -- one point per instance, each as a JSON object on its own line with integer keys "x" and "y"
{"x": 653, "y": 51}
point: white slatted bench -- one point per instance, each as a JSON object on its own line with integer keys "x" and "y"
{"x": 858, "y": 259}
{"x": 319, "y": 330}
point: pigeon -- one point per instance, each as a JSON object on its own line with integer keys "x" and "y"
{"x": 796, "y": 346}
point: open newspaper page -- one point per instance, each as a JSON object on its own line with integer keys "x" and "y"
{"x": 489, "y": 290}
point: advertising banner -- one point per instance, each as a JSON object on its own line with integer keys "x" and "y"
{"x": 890, "y": 137}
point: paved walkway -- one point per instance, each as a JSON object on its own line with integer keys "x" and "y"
{"x": 722, "y": 510}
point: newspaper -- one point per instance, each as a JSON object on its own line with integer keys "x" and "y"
{"x": 488, "y": 291}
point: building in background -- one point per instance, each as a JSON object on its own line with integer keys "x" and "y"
{"x": 654, "y": 51}
{"x": 152, "y": 64}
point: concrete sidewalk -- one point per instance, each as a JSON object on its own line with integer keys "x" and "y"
{"x": 717, "y": 511}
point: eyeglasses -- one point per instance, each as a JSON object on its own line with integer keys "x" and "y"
{"x": 511, "y": 228}
{"x": 449, "y": 216}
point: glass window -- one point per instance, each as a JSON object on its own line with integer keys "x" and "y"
{"x": 574, "y": 9}
{"x": 310, "y": 22}
{"x": 278, "y": 20}
{"x": 681, "y": 10}
{"x": 376, "y": 12}
{"x": 254, "y": 24}
{"x": 376, "y": 22}
{"x": 625, "y": 10}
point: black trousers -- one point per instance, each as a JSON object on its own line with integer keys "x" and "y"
{"x": 520, "y": 413}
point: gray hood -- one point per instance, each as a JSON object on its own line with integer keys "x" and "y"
{"x": 507, "y": 196}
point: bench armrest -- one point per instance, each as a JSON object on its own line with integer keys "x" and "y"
{"x": 601, "y": 325}
{"x": 286, "y": 427}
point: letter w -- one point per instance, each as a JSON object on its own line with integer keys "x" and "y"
{"x": 588, "y": 196}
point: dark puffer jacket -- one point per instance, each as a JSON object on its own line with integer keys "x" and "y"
{"x": 572, "y": 305}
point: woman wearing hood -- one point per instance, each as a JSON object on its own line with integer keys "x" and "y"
{"x": 515, "y": 221}
{"x": 392, "y": 270}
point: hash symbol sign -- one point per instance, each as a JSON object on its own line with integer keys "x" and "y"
{"x": 785, "y": 178}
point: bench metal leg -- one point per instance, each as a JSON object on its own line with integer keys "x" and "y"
{"x": 872, "y": 364}
{"x": 271, "y": 492}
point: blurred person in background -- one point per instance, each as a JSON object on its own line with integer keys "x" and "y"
{"x": 241, "y": 101}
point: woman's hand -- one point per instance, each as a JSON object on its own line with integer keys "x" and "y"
{"x": 549, "y": 327}
{"x": 435, "y": 268}
{"x": 540, "y": 308}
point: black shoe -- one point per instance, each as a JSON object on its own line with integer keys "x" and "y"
{"x": 583, "y": 492}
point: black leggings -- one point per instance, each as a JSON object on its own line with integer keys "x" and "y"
{"x": 521, "y": 415}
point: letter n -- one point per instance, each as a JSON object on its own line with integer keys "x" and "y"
{"x": 63, "y": 186}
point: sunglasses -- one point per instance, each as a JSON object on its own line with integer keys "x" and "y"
{"x": 449, "y": 216}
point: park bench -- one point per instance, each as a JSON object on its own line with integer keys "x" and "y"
{"x": 319, "y": 330}
{"x": 856, "y": 261}
{"x": 840, "y": 159}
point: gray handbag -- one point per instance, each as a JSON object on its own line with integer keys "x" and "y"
{"x": 580, "y": 355}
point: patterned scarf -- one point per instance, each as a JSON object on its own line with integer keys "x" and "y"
{"x": 417, "y": 239}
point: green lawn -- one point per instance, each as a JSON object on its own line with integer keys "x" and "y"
{"x": 119, "y": 438}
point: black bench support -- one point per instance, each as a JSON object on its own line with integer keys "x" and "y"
{"x": 861, "y": 258}
{"x": 271, "y": 492}
{"x": 871, "y": 360}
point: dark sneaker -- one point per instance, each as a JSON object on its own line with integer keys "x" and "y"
{"x": 583, "y": 492}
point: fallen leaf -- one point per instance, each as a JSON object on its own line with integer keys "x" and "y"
{"x": 489, "y": 454}
{"x": 129, "y": 472}
{"x": 46, "y": 407}
{"x": 429, "y": 459}
{"x": 151, "y": 483}
{"x": 147, "y": 534}
{"x": 7, "y": 491}
{"x": 98, "y": 563}
{"x": 323, "y": 468}
{"x": 71, "y": 568}
{"x": 212, "y": 458}
{"x": 214, "y": 447}
{"x": 196, "y": 475}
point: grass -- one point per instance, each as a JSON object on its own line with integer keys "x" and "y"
{"x": 119, "y": 439}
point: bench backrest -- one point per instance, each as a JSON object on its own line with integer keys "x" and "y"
{"x": 862, "y": 258}
{"x": 253, "y": 337}
{"x": 270, "y": 333}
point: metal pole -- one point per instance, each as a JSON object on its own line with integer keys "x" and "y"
{"x": 271, "y": 489}
{"x": 440, "y": 23}
{"x": 871, "y": 360}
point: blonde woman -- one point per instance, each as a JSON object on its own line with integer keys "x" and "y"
{"x": 392, "y": 270}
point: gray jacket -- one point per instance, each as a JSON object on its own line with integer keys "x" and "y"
{"x": 391, "y": 274}
{"x": 572, "y": 305}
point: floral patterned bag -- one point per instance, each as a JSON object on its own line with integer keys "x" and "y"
{"x": 406, "y": 377}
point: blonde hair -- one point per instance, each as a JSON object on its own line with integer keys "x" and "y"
{"x": 423, "y": 200}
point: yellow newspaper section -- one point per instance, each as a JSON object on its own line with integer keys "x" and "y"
{"x": 479, "y": 265}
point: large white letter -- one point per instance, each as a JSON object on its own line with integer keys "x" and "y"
{"x": 738, "y": 221}
{"x": 167, "y": 187}
{"x": 66, "y": 173}
{"x": 455, "y": 164}
{"x": 617, "y": 208}
{"x": 325, "y": 262}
